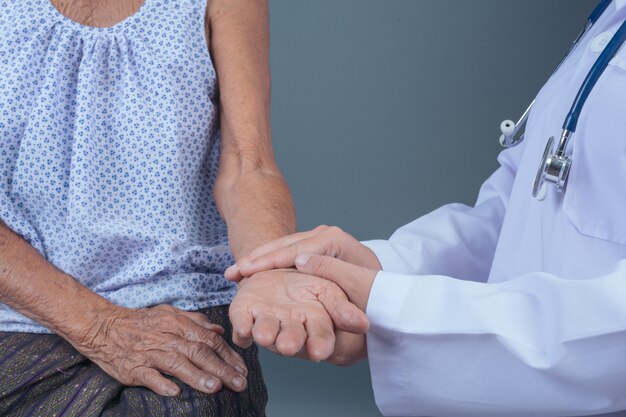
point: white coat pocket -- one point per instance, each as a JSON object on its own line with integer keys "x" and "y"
{"x": 595, "y": 198}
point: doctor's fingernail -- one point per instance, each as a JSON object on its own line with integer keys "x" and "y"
{"x": 301, "y": 260}
{"x": 240, "y": 369}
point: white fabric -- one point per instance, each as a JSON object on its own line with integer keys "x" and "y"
{"x": 516, "y": 307}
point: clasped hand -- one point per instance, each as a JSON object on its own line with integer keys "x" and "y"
{"x": 316, "y": 312}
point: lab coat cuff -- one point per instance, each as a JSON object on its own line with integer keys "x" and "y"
{"x": 384, "y": 344}
{"x": 387, "y": 255}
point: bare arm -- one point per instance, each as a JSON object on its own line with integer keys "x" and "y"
{"x": 121, "y": 341}
{"x": 251, "y": 194}
{"x": 33, "y": 287}
{"x": 253, "y": 198}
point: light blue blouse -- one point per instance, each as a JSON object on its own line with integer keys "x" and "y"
{"x": 109, "y": 148}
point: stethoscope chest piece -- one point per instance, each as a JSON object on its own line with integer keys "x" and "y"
{"x": 553, "y": 169}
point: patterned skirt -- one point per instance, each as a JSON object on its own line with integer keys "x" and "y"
{"x": 43, "y": 375}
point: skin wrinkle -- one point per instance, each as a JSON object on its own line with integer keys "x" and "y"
{"x": 5, "y": 238}
{"x": 97, "y": 13}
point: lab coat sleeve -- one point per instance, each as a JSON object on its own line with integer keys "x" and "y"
{"x": 466, "y": 234}
{"x": 536, "y": 345}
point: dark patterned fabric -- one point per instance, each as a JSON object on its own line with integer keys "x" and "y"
{"x": 41, "y": 375}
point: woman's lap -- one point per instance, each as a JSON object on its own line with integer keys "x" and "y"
{"x": 42, "y": 375}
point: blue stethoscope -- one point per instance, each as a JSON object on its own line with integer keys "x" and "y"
{"x": 555, "y": 164}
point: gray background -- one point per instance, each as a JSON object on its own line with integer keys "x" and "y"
{"x": 371, "y": 99}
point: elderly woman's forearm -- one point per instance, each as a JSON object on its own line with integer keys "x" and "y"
{"x": 37, "y": 289}
{"x": 250, "y": 192}
{"x": 257, "y": 207}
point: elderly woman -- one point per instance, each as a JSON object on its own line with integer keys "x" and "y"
{"x": 120, "y": 167}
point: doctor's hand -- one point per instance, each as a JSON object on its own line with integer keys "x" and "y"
{"x": 356, "y": 281}
{"x": 282, "y": 253}
{"x": 293, "y": 314}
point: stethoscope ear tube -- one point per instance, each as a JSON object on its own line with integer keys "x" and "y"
{"x": 511, "y": 129}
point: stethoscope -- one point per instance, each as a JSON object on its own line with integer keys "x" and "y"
{"x": 555, "y": 163}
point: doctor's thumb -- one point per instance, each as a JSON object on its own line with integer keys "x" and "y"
{"x": 302, "y": 260}
{"x": 356, "y": 281}
{"x": 346, "y": 315}
{"x": 317, "y": 265}
{"x": 332, "y": 269}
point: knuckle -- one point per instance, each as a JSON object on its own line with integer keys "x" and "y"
{"x": 335, "y": 230}
{"x": 177, "y": 319}
{"x": 171, "y": 361}
{"x": 133, "y": 379}
{"x": 288, "y": 347}
{"x": 150, "y": 378}
{"x": 334, "y": 248}
{"x": 159, "y": 308}
{"x": 200, "y": 352}
{"x": 168, "y": 309}
{"x": 193, "y": 350}
{"x": 141, "y": 376}
{"x": 213, "y": 339}
{"x": 221, "y": 371}
{"x": 162, "y": 323}
{"x": 221, "y": 348}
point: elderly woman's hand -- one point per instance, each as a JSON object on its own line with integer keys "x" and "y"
{"x": 298, "y": 315}
{"x": 137, "y": 346}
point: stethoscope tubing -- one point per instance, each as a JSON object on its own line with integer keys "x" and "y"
{"x": 596, "y": 71}
{"x": 556, "y": 164}
{"x": 508, "y": 140}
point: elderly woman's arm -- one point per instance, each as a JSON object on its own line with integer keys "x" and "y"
{"x": 132, "y": 345}
{"x": 251, "y": 194}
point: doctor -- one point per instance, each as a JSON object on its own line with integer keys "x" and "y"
{"x": 513, "y": 307}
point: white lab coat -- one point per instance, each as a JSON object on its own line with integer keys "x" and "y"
{"x": 516, "y": 307}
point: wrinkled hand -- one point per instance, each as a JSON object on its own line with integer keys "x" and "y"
{"x": 294, "y": 315}
{"x": 323, "y": 240}
{"x": 137, "y": 346}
